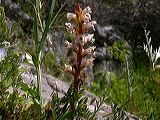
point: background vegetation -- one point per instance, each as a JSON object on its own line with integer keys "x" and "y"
{"x": 135, "y": 89}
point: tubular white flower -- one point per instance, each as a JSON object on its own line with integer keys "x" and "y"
{"x": 87, "y": 10}
{"x": 68, "y": 44}
{"x": 67, "y": 68}
{"x": 91, "y": 24}
{"x": 69, "y": 27}
{"x": 89, "y": 51}
{"x": 94, "y": 54}
{"x": 71, "y": 16}
{"x": 87, "y": 63}
{"x": 83, "y": 75}
{"x": 87, "y": 17}
{"x": 88, "y": 38}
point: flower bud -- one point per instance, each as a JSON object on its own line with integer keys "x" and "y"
{"x": 89, "y": 51}
{"x": 91, "y": 24}
{"x": 87, "y": 17}
{"x": 71, "y": 16}
{"x": 49, "y": 42}
{"x": 88, "y": 38}
{"x": 87, "y": 63}
{"x": 87, "y": 10}
{"x": 69, "y": 27}
{"x": 83, "y": 75}
{"x": 68, "y": 44}
{"x": 67, "y": 68}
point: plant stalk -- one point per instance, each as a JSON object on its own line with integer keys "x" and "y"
{"x": 39, "y": 80}
{"x": 39, "y": 83}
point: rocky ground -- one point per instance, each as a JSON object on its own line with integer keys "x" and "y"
{"x": 50, "y": 84}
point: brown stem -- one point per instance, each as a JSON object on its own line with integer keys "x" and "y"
{"x": 78, "y": 66}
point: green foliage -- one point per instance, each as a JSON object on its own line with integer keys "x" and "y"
{"x": 139, "y": 95}
{"x": 4, "y": 30}
{"x": 10, "y": 103}
{"x": 28, "y": 104}
{"x": 119, "y": 50}
{"x": 135, "y": 90}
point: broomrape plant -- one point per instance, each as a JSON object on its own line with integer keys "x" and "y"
{"x": 79, "y": 24}
{"x": 82, "y": 56}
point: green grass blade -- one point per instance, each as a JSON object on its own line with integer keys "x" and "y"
{"x": 54, "y": 18}
{"x": 36, "y": 31}
{"x": 27, "y": 89}
{"x": 52, "y": 8}
{"x": 49, "y": 23}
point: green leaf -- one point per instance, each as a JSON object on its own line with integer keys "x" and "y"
{"x": 52, "y": 8}
{"x": 6, "y": 83}
{"x": 85, "y": 100}
{"x": 66, "y": 115}
{"x": 54, "y": 18}
{"x": 92, "y": 101}
{"x": 45, "y": 32}
{"x": 27, "y": 89}
{"x": 44, "y": 36}
{"x": 34, "y": 59}
{"x": 49, "y": 23}
{"x": 81, "y": 100}
{"x": 37, "y": 5}
{"x": 36, "y": 31}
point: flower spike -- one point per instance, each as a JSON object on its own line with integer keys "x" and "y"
{"x": 82, "y": 58}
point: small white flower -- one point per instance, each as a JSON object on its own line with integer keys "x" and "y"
{"x": 90, "y": 61}
{"x": 91, "y": 24}
{"x": 6, "y": 44}
{"x": 87, "y": 63}
{"x": 88, "y": 38}
{"x": 71, "y": 16}
{"x": 67, "y": 68}
{"x": 69, "y": 27}
{"x": 87, "y": 17}
{"x": 87, "y": 10}
{"x": 83, "y": 75}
